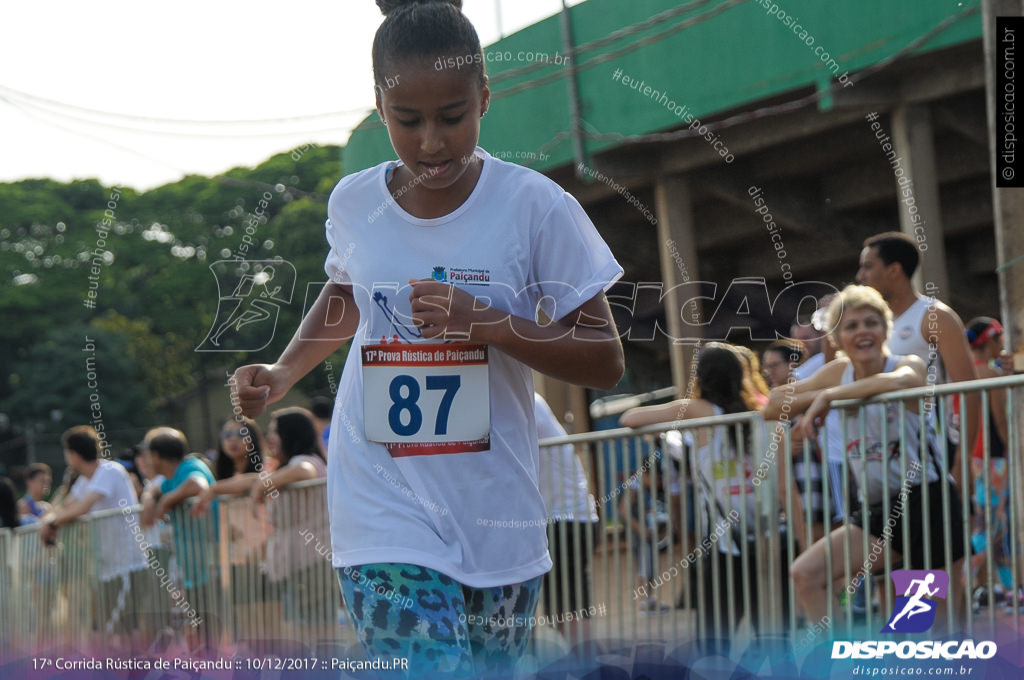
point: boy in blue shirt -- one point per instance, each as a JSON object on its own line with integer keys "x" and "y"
{"x": 194, "y": 542}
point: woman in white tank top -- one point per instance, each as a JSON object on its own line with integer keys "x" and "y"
{"x": 860, "y": 321}
{"x": 722, "y": 462}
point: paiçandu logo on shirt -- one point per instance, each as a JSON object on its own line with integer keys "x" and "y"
{"x": 469, "y": 276}
{"x": 439, "y": 274}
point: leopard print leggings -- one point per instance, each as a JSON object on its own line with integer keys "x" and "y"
{"x": 444, "y": 629}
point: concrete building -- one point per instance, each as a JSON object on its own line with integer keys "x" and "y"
{"x": 733, "y": 142}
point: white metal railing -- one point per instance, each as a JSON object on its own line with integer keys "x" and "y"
{"x": 259, "y": 579}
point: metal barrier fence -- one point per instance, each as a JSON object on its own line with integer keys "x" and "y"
{"x": 700, "y": 522}
{"x": 241, "y": 577}
{"x": 696, "y": 531}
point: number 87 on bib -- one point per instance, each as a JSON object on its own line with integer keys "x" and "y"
{"x": 422, "y": 400}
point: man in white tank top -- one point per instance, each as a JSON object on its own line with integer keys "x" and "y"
{"x": 923, "y": 325}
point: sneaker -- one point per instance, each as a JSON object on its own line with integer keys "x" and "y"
{"x": 980, "y": 597}
{"x": 1012, "y": 602}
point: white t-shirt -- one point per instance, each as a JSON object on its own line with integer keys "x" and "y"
{"x": 563, "y": 483}
{"x": 119, "y": 552}
{"x": 883, "y": 455}
{"x": 522, "y": 243}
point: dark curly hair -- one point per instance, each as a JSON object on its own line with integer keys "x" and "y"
{"x": 422, "y": 30}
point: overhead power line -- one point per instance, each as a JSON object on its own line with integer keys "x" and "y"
{"x": 29, "y": 98}
{"x": 223, "y": 134}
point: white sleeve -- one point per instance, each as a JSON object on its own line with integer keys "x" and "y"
{"x": 571, "y": 263}
{"x": 102, "y": 482}
{"x": 336, "y": 259}
{"x": 547, "y": 425}
{"x": 78, "y": 489}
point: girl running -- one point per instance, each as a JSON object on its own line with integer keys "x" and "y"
{"x": 432, "y": 466}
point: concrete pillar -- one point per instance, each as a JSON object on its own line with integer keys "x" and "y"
{"x": 677, "y": 249}
{"x": 920, "y": 216}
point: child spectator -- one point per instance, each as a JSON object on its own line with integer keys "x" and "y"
{"x": 38, "y": 479}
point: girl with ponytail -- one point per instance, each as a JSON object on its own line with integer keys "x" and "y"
{"x": 455, "y": 275}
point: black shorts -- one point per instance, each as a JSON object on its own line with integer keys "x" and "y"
{"x": 579, "y": 536}
{"x": 891, "y": 527}
{"x": 718, "y": 597}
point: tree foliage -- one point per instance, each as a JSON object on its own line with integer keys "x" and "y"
{"x": 132, "y": 269}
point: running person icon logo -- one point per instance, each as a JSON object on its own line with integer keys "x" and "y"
{"x": 246, "y": 317}
{"x": 914, "y": 612}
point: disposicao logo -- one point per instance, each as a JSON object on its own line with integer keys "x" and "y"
{"x": 914, "y": 612}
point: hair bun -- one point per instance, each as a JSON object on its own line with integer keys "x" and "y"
{"x": 388, "y": 7}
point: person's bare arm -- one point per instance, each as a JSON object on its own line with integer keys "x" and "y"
{"x": 64, "y": 514}
{"x": 793, "y": 398}
{"x": 170, "y": 500}
{"x": 942, "y": 328}
{"x": 582, "y": 347}
{"x": 680, "y": 409}
{"x": 290, "y": 474}
{"x": 238, "y": 484}
{"x": 330, "y": 323}
{"x": 150, "y": 495}
{"x": 69, "y": 511}
{"x": 909, "y": 372}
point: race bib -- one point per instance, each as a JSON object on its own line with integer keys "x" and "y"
{"x": 422, "y": 400}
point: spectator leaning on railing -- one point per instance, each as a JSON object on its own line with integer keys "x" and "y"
{"x": 925, "y": 326}
{"x": 292, "y": 439}
{"x": 102, "y": 485}
{"x": 185, "y": 476}
{"x": 723, "y": 461}
{"x": 861, "y": 320}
